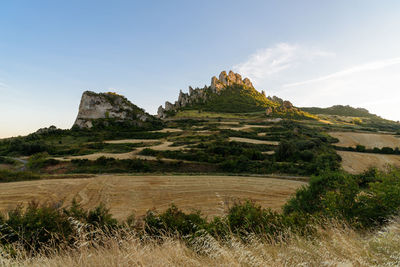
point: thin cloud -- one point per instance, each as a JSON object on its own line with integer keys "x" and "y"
{"x": 375, "y": 65}
{"x": 278, "y": 58}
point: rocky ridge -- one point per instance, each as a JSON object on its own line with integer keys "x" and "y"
{"x": 109, "y": 105}
{"x": 218, "y": 86}
{"x": 200, "y": 94}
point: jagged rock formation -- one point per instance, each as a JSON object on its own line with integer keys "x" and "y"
{"x": 228, "y": 80}
{"x": 228, "y": 93}
{"x": 95, "y": 106}
{"x": 184, "y": 99}
{"x": 199, "y": 95}
{"x": 282, "y": 107}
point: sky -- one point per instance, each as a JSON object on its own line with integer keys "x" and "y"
{"x": 312, "y": 53}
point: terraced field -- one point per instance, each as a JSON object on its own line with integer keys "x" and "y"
{"x": 354, "y": 162}
{"x": 369, "y": 140}
{"x": 126, "y": 194}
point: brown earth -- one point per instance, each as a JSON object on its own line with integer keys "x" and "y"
{"x": 127, "y": 194}
{"x": 369, "y": 140}
{"x": 354, "y": 162}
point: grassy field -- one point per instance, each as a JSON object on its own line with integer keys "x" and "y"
{"x": 369, "y": 140}
{"x": 137, "y": 194}
{"x": 354, "y": 162}
{"x": 336, "y": 245}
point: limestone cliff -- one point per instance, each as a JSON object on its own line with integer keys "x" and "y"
{"x": 95, "y": 106}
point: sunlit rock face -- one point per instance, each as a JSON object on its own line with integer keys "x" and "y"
{"x": 95, "y": 106}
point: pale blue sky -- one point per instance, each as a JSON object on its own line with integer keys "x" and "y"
{"x": 313, "y": 53}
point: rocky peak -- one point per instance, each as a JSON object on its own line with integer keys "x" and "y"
{"x": 225, "y": 80}
{"x": 109, "y": 105}
{"x": 200, "y": 95}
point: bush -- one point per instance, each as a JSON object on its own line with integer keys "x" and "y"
{"x": 174, "y": 221}
{"x": 100, "y": 216}
{"x": 364, "y": 201}
{"x": 36, "y": 227}
{"x": 11, "y": 176}
{"x": 44, "y": 226}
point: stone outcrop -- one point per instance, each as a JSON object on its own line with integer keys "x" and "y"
{"x": 282, "y": 106}
{"x": 199, "y": 95}
{"x": 225, "y": 80}
{"x": 95, "y": 106}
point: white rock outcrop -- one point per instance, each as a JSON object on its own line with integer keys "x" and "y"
{"x": 95, "y": 106}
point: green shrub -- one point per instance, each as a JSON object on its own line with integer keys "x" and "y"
{"x": 13, "y": 176}
{"x": 36, "y": 227}
{"x": 174, "y": 221}
{"x": 364, "y": 200}
{"x": 100, "y": 216}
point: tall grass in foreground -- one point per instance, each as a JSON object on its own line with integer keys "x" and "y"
{"x": 335, "y": 245}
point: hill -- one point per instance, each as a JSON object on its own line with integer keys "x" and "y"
{"x": 104, "y": 109}
{"x": 340, "y": 110}
{"x": 230, "y": 94}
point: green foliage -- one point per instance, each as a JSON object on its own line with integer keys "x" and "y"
{"x": 364, "y": 200}
{"x": 247, "y": 217}
{"x": 340, "y": 110}
{"x": 174, "y": 221}
{"x": 100, "y": 216}
{"x": 360, "y": 148}
{"x": 376, "y": 150}
{"x": 235, "y": 99}
{"x": 41, "y": 226}
{"x": 13, "y": 176}
{"x": 40, "y": 160}
{"x": 112, "y": 165}
{"x": 6, "y": 160}
{"x": 36, "y": 227}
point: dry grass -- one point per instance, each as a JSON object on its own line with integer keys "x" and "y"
{"x": 132, "y": 141}
{"x": 168, "y": 130}
{"x": 242, "y": 128}
{"x": 369, "y": 140}
{"x": 354, "y": 162}
{"x": 336, "y": 245}
{"x": 253, "y": 141}
{"x": 126, "y": 194}
{"x": 164, "y": 146}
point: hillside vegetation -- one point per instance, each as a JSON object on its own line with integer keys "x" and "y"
{"x": 234, "y": 99}
{"x": 340, "y": 111}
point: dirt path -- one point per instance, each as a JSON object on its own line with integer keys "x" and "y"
{"x": 126, "y": 194}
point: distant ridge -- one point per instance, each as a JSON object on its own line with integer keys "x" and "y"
{"x": 341, "y": 110}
